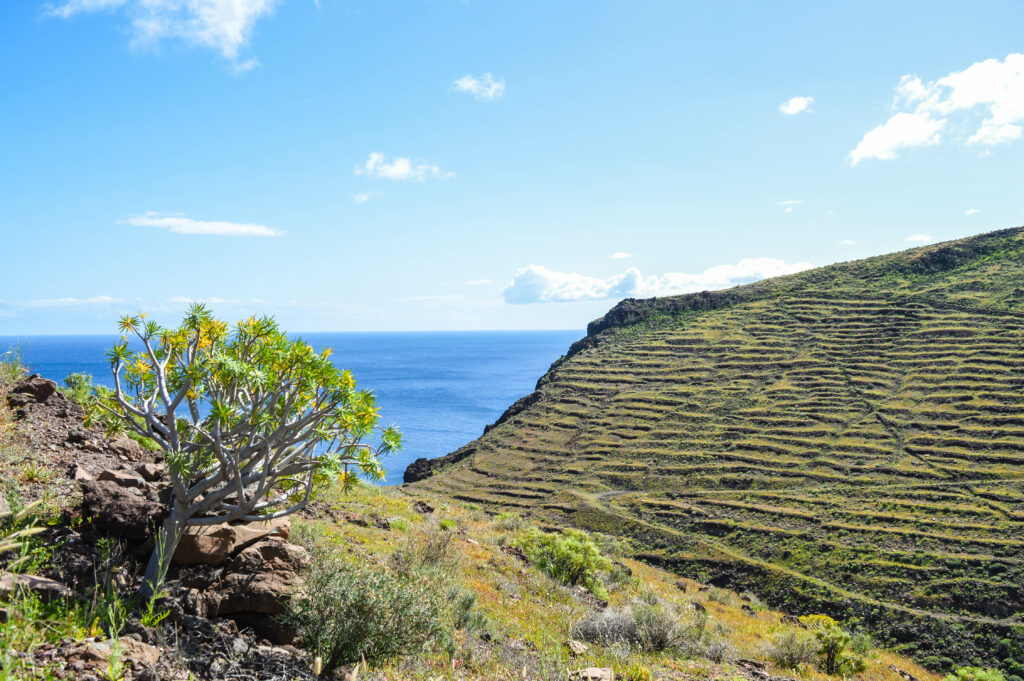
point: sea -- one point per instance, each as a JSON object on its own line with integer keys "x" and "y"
{"x": 439, "y": 388}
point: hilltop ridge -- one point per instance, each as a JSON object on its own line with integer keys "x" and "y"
{"x": 848, "y": 438}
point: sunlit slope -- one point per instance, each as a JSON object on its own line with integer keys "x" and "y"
{"x": 849, "y": 438}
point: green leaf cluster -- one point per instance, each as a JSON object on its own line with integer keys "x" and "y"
{"x": 570, "y": 556}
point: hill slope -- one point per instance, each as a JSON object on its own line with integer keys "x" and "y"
{"x": 849, "y": 438}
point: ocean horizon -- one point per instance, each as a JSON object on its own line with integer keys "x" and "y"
{"x": 440, "y": 388}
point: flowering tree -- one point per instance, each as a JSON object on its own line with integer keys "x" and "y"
{"x": 249, "y": 420}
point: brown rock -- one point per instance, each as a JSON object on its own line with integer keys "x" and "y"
{"x": 47, "y": 589}
{"x": 37, "y": 387}
{"x": 576, "y": 648}
{"x": 127, "y": 448}
{"x": 422, "y": 507}
{"x": 81, "y": 474}
{"x": 259, "y": 579}
{"x": 205, "y": 545}
{"x": 150, "y": 472}
{"x": 247, "y": 533}
{"x": 119, "y": 511}
{"x": 121, "y": 478}
{"x": 593, "y": 674}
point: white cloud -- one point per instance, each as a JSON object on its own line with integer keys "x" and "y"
{"x": 73, "y": 7}
{"x": 899, "y": 132}
{"x": 477, "y": 282}
{"x": 183, "y": 225}
{"x": 796, "y": 105}
{"x": 364, "y": 197}
{"x": 537, "y": 284}
{"x": 972, "y": 211}
{"x": 485, "y": 87}
{"x": 620, "y": 255}
{"x": 920, "y": 238}
{"x": 221, "y": 25}
{"x": 984, "y": 103}
{"x": 847, "y": 242}
{"x": 209, "y": 300}
{"x": 788, "y": 206}
{"x": 400, "y": 169}
{"x": 73, "y": 302}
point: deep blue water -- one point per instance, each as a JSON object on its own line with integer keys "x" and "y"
{"x": 439, "y": 388}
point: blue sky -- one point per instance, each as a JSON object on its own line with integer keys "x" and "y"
{"x": 374, "y": 165}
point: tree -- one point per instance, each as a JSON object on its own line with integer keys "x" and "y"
{"x": 250, "y": 421}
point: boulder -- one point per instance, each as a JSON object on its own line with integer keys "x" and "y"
{"x": 248, "y": 533}
{"x": 150, "y": 472}
{"x": 205, "y": 545}
{"x": 593, "y": 674}
{"x": 122, "y": 478}
{"x": 119, "y": 511}
{"x": 80, "y": 473}
{"x": 47, "y": 589}
{"x": 35, "y": 386}
{"x": 422, "y": 507}
{"x": 126, "y": 448}
{"x": 97, "y": 653}
{"x": 576, "y": 648}
{"x": 258, "y": 579}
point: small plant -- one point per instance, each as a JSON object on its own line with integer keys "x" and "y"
{"x": 448, "y": 525}
{"x": 115, "y": 662}
{"x": 975, "y": 674}
{"x": 570, "y": 556}
{"x": 793, "y": 649}
{"x": 17, "y": 527}
{"x": 348, "y": 612}
{"x": 835, "y": 655}
{"x": 647, "y": 624}
{"x": 34, "y": 472}
{"x": 508, "y": 522}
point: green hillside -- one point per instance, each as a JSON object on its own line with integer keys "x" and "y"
{"x": 848, "y": 439}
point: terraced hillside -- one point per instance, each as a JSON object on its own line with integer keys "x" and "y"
{"x": 848, "y": 439}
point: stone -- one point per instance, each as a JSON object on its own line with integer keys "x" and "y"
{"x": 127, "y": 448}
{"x": 141, "y": 654}
{"x": 205, "y": 545}
{"x": 121, "y": 478}
{"x": 576, "y": 648}
{"x": 80, "y": 474}
{"x": 247, "y": 533}
{"x": 259, "y": 578}
{"x": 76, "y": 436}
{"x": 357, "y": 519}
{"x": 119, "y": 511}
{"x": 37, "y": 387}
{"x": 48, "y": 590}
{"x": 422, "y": 507}
{"x": 593, "y": 674}
{"x": 97, "y": 653}
{"x": 748, "y": 610}
{"x": 150, "y": 472}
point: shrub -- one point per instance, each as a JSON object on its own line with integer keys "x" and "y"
{"x": 508, "y": 522}
{"x": 569, "y": 556}
{"x": 351, "y": 611}
{"x": 835, "y": 655}
{"x": 647, "y": 624}
{"x": 792, "y": 649}
{"x": 975, "y": 674}
{"x": 250, "y": 420}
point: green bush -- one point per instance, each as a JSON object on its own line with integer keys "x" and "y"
{"x": 648, "y": 624}
{"x": 975, "y": 674}
{"x": 793, "y": 649}
{"x": 569, "y": 556}
{"x": 348, "y": 611}
{"x": 836, "y": 653}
